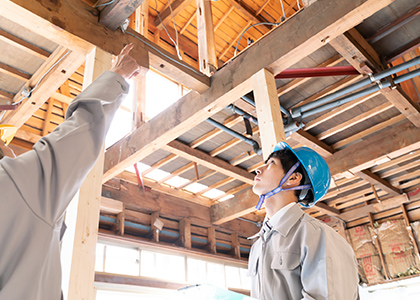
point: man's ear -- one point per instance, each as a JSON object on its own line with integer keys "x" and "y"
{"x": 294, "y": 179}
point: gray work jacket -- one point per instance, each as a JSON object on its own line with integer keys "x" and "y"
{"x": 37, "y": 186}
{"x": 302, "y": 258}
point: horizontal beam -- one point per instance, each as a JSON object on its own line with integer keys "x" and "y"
{"x": 83, "y": 32}
{"x": 308, "y": 32}
{"x": 208, "y": 161}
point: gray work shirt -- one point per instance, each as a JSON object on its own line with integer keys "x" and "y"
{"x": 302, "y": 258}
{"x": 37, "y": 186}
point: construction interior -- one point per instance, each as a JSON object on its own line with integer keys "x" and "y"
{"x": 341, "y": 77}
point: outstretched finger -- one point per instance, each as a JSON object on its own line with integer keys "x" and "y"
{"x": 127, "y": 48}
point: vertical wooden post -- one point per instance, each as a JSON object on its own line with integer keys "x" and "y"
{"x": 119, "y": 225}
{"x": 409, "y": 229}
{"x": 155, "y": 229}
{"x": 269, "y": 116}
{"x": 82, "y": 270}
{"x": 139, "y": 101}
{"x": 185, "y": 233}
{"x": 206, "y": 49}
{"x": 48, "y": 116}
{"x": 236, "y": 251}
{"x": 378, "y": 244}
{"x": 211, "y": 240}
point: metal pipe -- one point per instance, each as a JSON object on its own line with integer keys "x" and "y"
{"x": 237, "y": 135}
{"x": 297, "y": 112}
{"x": 317, "y": 72}
{"x": 243, "y": 113}
{"x": 251, "y": 102}
{"x": 361, "y": 93}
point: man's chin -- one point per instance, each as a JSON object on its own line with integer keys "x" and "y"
{"x": 256, "y": 191}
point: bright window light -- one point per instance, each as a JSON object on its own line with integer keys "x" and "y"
{"x": 226, "y": 198}
{"x": 195, "y": 187}
{"x": 245, "y": 279}
{"x": 176, "y": 181}
{"x": 99, "y": 260}
{"x": 122, "y": 260}
{"x": 170, "y": 267}
{"x": 147, "y": 264}
{"x": 160, "y": 93}
{"x": 233, "y": 278}
{"x": 213, "y": 193}
{"x": 215, "y": 274}
{"x": 157, "y": 174}
{"x": 196, "y": 270}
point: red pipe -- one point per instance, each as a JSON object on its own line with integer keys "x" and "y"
{"x": 317, "y": 72}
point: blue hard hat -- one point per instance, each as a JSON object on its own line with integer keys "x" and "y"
{"x": 315, "y": 166}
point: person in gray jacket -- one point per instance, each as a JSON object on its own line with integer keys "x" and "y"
{"x": 38, "y": 185}
{"x": 296, "y": 255}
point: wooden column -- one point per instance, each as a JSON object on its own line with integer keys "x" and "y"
{"x": 185, "y": 233}
{"x": 139, "y": 102}
{"x": 378, "y": 246}
{"x": 205, "y": 31}
{"x": 154, "y": 227}
{"x": 118, "y": 227}
{"x": 236, "y": 252}
{"x": 82, "y": 270}
{"x": 211, "y": 240}
{"x": 269, "y": 116}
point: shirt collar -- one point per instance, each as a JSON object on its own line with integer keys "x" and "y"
{"x": 286, "y": 218}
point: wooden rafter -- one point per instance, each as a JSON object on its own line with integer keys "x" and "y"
{"x": 166, "y": 15}
{"x": 23, "y": 45}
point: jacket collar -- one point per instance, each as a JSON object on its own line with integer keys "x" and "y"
{"x": 288, "y": 220}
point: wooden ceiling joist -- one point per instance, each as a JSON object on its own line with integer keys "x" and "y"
{"x": 171, "y": 12}
{"x": 23, "y": 45}
{"x": 233, "y": 81}
{"x": 49, "y": 84}
{"x": 76, "y": 37}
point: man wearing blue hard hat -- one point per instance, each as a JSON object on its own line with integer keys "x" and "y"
{"x": 296, "y": 255}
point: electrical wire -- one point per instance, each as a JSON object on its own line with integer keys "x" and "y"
{"x": 298, "y": 4}
{"x": 176, "y": 31}
{"x": 164, "y": 27}
{"x": 163, "y": 54}
{"x": 282, "y": 8}
{"x": 42, "y": 77}
{"x": 262, "y": 23}
{"x": 105, "y": 4}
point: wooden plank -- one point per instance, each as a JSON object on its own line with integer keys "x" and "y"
{"x": 114, "y": 14}
{"x": 110, "y": 206}
{"x": 83, "y": 31}
{"x": 205, "y": 32}
{"x": 48, "y": 117}
{"x": 15, "y": 73}
{"x": 223, "y": 18}
{"x": 354, "y": 121}
{"x": 190, "y": 19}
{"x": 23, "y": 45}
{"x": 84, "y": 250}
{"x": 166, "y": 15}
{"x": 50, "y": 83}
{"x": 233, "y": 41}
{"x": 312, "y": 142}
{"x": 267, "y": 104}
{"x": 404, "y": 104}
{"x": 208, "y": 161}
{"x": 233, "y": 81}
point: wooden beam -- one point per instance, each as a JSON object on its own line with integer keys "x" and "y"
{"x": 48, "y": 117}
{"x": 233, "y": 81}
{"x": 154, "y": 230}
{"x": 130, "y": 177}
{"x": 111, "y": 206}
{"x": 114, "y": 14}
{"x": 170, "y": 207}
{"x": 325, "y": 208}
{"x": 84, "y": 31}
{"x": 357, "y": 51}
{"x": 23, "y": 45}
{"x": 223, "y": 18}
{"x": 208, "y": 161}
{"x": 248, "y": 13}
{"x": 211, "y": 240}
{"x": 233, "y": 41}
{"x": 391, "y": 143}
{"x": 307, "y": 139}
{"x": 205, "y": 33}
{"x": 379, "y": 182}
{"x": 166, "y": 15}
{"x": 122, "y": 280}
{"x": 8, "y": 70}
{"x": 236, "y": 252}
{"x": 190, "y": 19}
{"x": 50, "y": 83}
{"x": 270, "y": 121}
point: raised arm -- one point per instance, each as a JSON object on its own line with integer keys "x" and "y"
{"x": 49, "y": 176}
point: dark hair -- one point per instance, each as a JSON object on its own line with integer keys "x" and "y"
{"x": 1, "y": 153}
{"x": 287, "y": 160}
